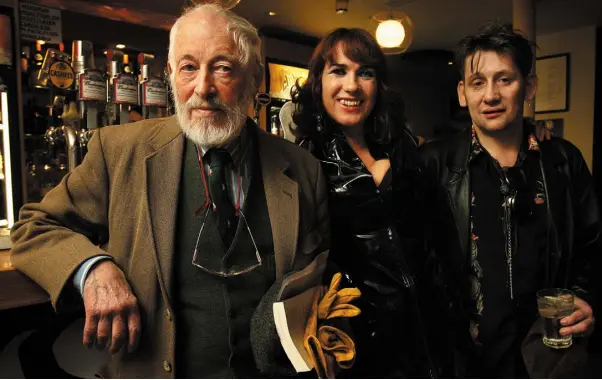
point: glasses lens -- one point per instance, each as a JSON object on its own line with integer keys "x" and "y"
{"x": 218, "y": 259}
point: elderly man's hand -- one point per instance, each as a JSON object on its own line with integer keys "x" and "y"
{"x": 112, "y": 314}
{"x": 580, "y": 321}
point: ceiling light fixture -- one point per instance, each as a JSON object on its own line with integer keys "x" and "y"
{"x": 341, "y": 6}
{"x": 390, "y": 34}
{"x": 394, "y": 31}
{"x": 120, "y": 46}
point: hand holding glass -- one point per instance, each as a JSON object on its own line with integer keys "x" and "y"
{"x": 555, "y": 304}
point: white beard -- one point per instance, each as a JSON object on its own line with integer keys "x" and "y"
{"x": 213, "y": 131}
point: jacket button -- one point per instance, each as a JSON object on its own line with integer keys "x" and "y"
{"x": 168, "y": 314}
{"x": 167, "y": 366}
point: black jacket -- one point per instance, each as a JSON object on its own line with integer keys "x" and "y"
{"x": 573, "y": 231}
{"x": 377, "y": 242}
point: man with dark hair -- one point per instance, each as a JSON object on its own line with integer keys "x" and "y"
{"x": 512, "y": 215}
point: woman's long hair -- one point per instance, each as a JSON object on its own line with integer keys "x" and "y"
{"x": 386, "y": 119}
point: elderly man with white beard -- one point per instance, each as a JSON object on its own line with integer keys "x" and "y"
{"x": 175, "y": 234}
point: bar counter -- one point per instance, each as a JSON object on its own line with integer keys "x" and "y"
{"x": 16, "y": 290}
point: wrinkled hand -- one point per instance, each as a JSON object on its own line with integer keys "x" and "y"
{"x": 580, "y": 321}
{"x": 112, "y": 315}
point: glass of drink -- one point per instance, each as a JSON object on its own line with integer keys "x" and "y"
{"x": 555, "y": 304}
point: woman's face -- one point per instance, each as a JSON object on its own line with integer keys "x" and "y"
{"x": 348, "y": 90}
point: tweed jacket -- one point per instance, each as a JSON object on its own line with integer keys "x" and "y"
{"x": 122, "y": 201}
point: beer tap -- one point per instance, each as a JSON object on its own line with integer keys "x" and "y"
{"x": 90, "y": 84}
{"x": 122, "y": 89}
{"x": 152, "y": 89}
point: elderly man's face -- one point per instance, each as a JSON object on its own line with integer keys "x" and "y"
{"x": 208, "y": 81}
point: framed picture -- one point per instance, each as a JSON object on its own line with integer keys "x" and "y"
{"x": 281, "y": 77}
{"x": 556, "y": 126}
{"x": 553, "y": 83}
{"x": 6, "y": 40}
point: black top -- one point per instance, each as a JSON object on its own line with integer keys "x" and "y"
{"x": 374, "y": 243}
{"x": 505, "y": 307}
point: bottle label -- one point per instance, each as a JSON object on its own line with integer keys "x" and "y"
{"x": 61, "y": 75}
{"x": 92, "y": 86}
{"x": 125, "y": 90}
{"x": 154, "y": 93}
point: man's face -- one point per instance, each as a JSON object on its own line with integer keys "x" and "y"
{"x": 208, "y": 81}
{"x": 494, "y": 91}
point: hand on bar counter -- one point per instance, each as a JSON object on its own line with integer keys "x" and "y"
{"x": 112, "y": 315}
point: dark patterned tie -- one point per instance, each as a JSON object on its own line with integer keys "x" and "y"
{"x": 222, "y": 207}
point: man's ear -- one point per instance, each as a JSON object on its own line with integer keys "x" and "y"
{"x": 169, "y": 68}
{"x": 461, "y": 95}
{"x": 530, "y": 87}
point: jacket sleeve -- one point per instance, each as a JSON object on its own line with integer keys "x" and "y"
{"x": 52, "y": 238}
{"x": 587, "y": 243}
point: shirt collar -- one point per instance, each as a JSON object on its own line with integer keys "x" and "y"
{"x": 532, "y": 145}
{"x": 237, "y": 147}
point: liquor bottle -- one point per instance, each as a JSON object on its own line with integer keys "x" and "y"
{"x": 275, "y": 129}
{"x": 25, "y": 57}
{"x": 38, "y": 57}
{"x": 127, "y": 65}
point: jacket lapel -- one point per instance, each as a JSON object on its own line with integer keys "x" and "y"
{"x": 282, "y": 196}
{"x": 163, "y": 172}
{"x": 458, "y": 188}
{"x": 558, "y": 205}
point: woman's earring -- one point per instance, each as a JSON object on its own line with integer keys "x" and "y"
{"x": 319, "y": 123}
{"x": 528, "y": 103}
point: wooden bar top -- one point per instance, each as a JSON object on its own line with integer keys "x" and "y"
{"x": 16, "y": 289}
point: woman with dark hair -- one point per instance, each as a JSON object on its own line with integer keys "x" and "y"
{"x": 349, "y": 118}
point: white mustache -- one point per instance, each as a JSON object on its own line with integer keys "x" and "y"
{"x": 196, "y": 101}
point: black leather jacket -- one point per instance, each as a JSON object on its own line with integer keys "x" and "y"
{"x": 574, "y": 228}
{"x": 376, "y": 241}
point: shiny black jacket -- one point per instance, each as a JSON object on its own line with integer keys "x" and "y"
{"x": 574, "y": 228}
{"x": 377, "y": 241}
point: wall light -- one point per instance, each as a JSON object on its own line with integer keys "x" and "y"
{"x": 272, "y": 13}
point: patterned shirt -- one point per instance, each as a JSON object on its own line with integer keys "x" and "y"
{"x": 475, "y": 268}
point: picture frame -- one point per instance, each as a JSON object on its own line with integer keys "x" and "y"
{"x": 6, "y": 39}
{"x": 555, "y": 126}
{"x": 553, "y": 83}
{"x": 281, "y": 77}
